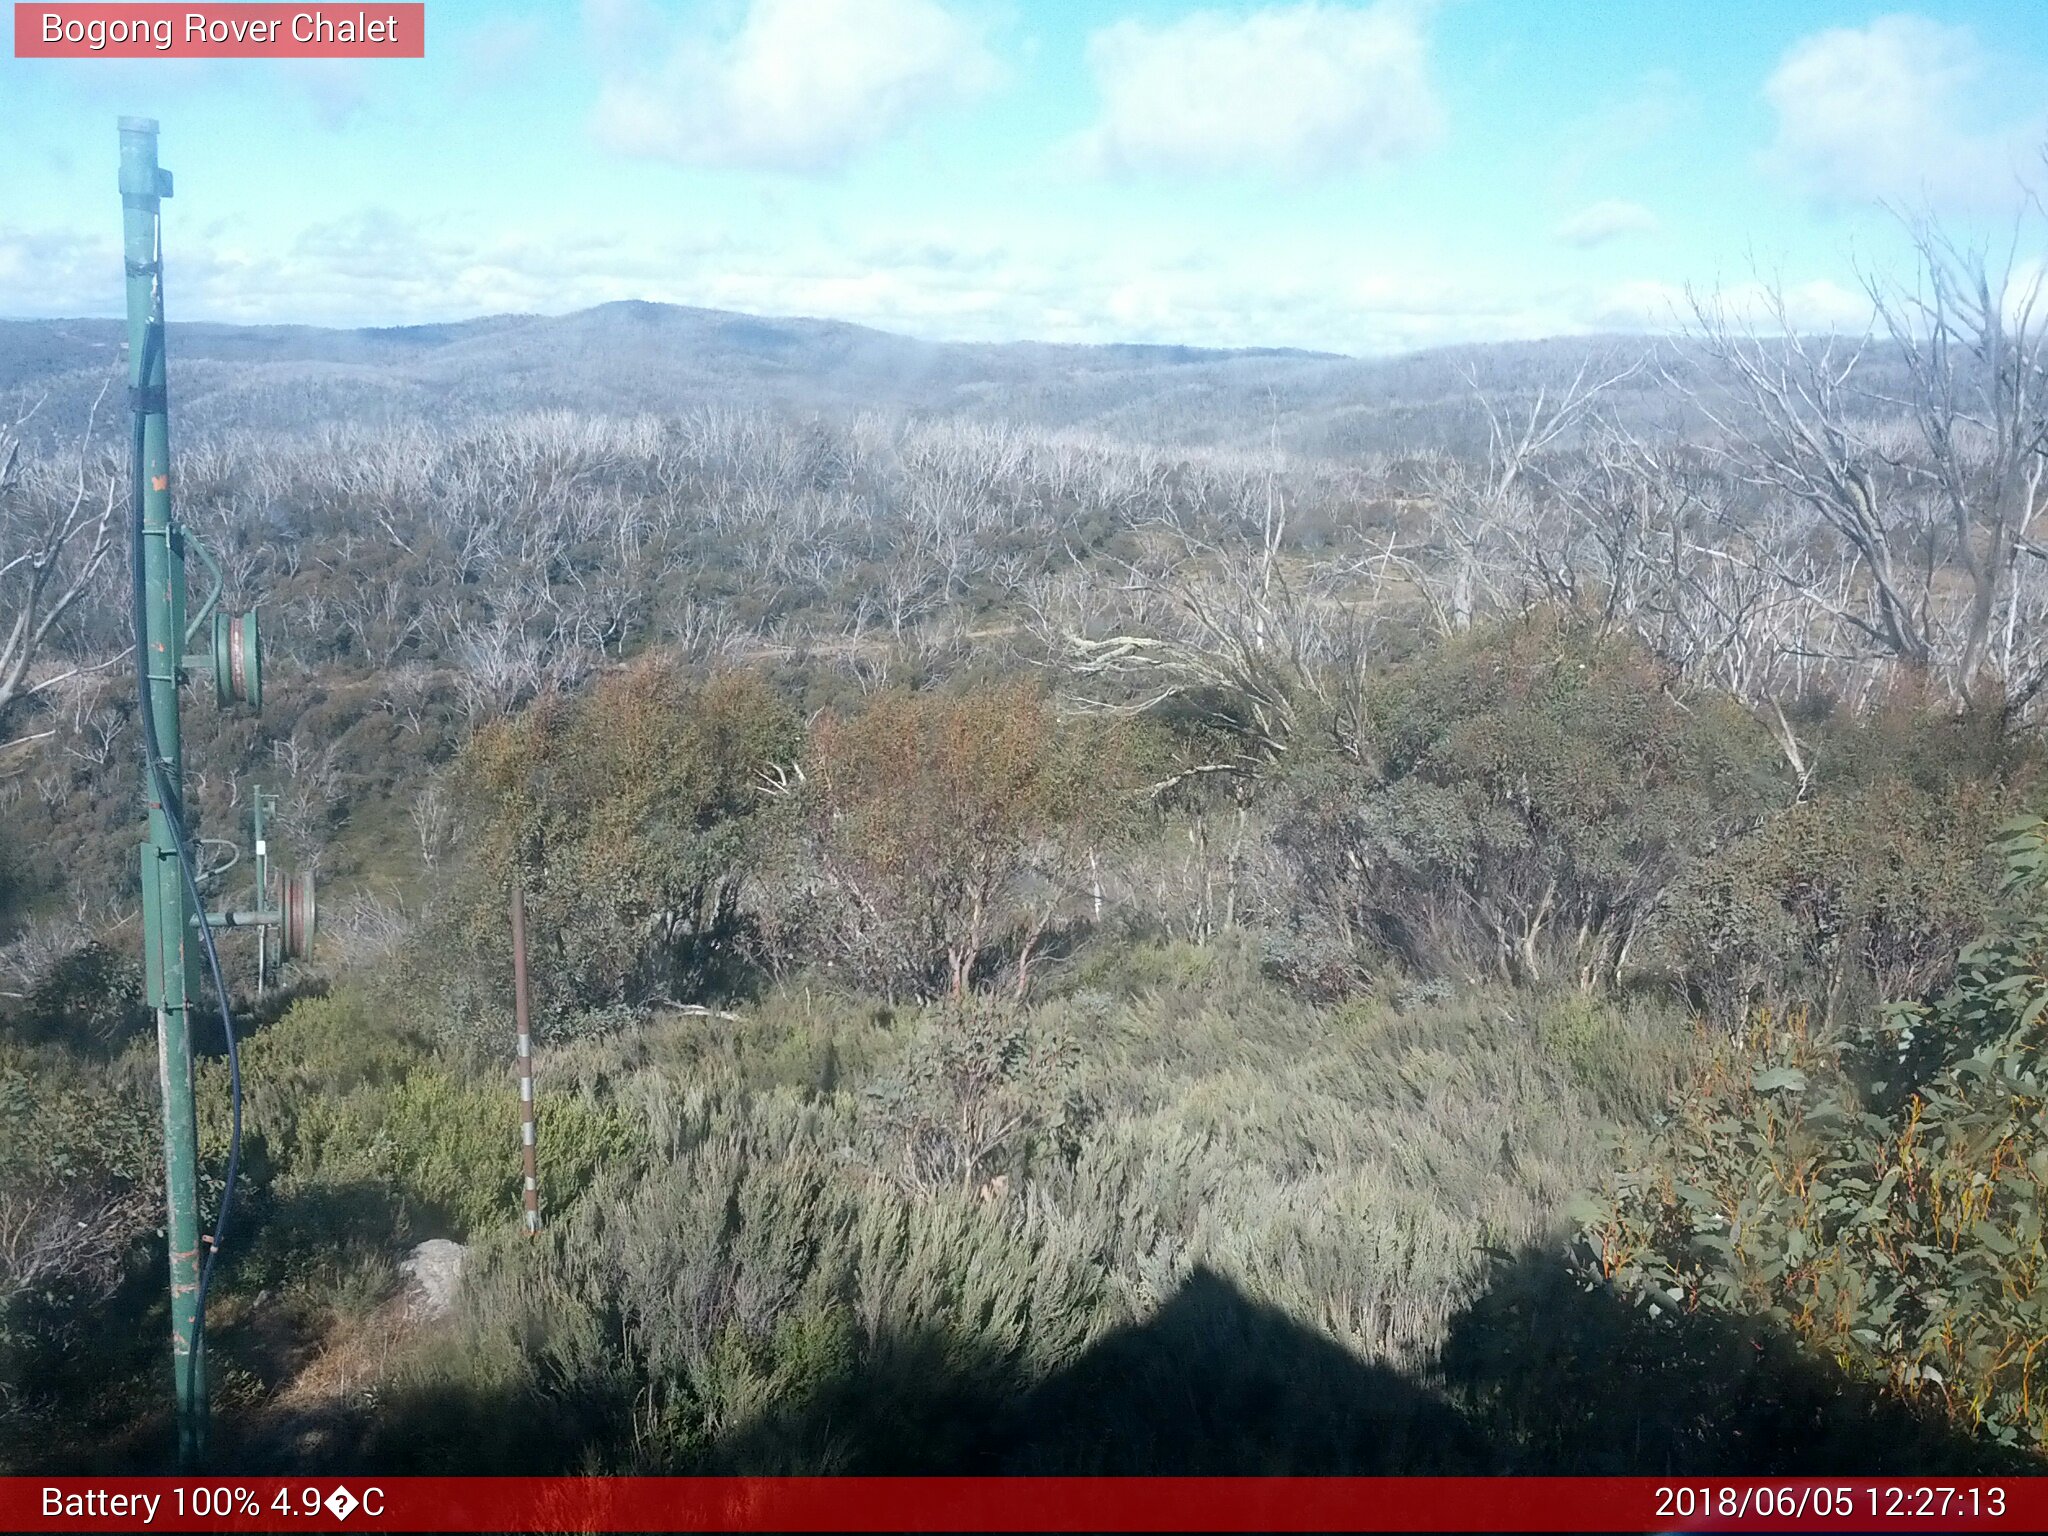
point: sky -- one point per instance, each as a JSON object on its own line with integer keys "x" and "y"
{"x": 1362, "y": 178}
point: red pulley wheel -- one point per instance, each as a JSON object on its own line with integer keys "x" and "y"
{"x": 298, "y": 913}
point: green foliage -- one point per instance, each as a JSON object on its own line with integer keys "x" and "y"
{"x": 756, "y": 1265}
{"x": 820, "y": 1276}
{"x": 634, "y": 816}
{"x": 815, "y": 1228}
{"x": 89, "y": 1000}
{"x": 1585, "y": 1035}
{"x": 1896, "y": 1227}
{"x": 453, "y": 1146}
{"x": 1911, "y": 734}
{"x": 1126, "y": 969}
{"x": 1867, "y": 891}
{"x": 81, "y": 1182}
{"x": 805, "y": 1034}
{"x": 978, "y": 1092}
{"x": 950, "y": 830}
{"x": 336, "y": 1098}
{"x": 1522, "y": 800}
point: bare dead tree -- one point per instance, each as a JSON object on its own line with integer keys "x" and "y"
{"x": 1483, "y": 515}
{"x": 383, "y": 619}
{"x": 1254, "y": 639}
{"x": 1974, "y": 339}
{"x": 405, "y": 691}
{"x": 55, "y": 534}
{"x": 1927, "y": 494}
{"x": 1801, "y": 437}
{"x": 433, "y": 819}
{"x": 502, "y": 664}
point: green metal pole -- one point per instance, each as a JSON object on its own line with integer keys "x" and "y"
{"x": 166, "y": 913}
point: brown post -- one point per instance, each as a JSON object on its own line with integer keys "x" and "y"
{"x": 527, "y": 1151}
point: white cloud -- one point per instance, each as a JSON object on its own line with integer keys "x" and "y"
{"x": 56, "y": 272}
{"x": 1612, "y": 219}
{"x": 1893, "y": 110}
{"x": 1298, "y": 90}
{"x": 804, "y": 85}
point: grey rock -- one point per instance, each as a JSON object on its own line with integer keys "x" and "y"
{"x": 433, "y": 1271}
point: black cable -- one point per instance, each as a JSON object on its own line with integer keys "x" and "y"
{"x": 174, "y": 817}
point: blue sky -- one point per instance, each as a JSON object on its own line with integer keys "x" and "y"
{"x": 1354, "y": 177}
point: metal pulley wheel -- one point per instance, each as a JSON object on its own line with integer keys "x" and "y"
{"x": 297, "y": 916}
{"x": 237, "y": 659}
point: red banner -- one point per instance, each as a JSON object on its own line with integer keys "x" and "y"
{"x": 98, "y": 31}
{"x": 227, "y": 1503}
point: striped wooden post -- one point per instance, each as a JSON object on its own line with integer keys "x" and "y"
{"x": 528, "y": 1153}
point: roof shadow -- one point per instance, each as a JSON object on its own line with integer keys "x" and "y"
{"x": 1538, "y": 1375}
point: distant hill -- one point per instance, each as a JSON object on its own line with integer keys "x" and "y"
{"x": 633, "y": 357}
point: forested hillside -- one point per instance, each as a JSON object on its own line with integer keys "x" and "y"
{"x": 631, "y": 359}
{"x": 1097, "y": 910}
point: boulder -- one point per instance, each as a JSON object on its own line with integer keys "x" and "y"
{"x": 433, "y": 1271}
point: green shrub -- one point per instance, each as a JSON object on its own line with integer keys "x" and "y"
{"x": 337, "y": 1098}
{"x": 815, "y": 1278}
{"x": 80, "y": 1184}
{"x": 976, "y": 1095}
{"x": 635, "y": 816}
{"x": 89, "y": 1000}
{"x": 754, "y": 1268}
{"x": 1520, "y": 803}
{"x": 1125, "y": 969}
{"x": 949, "y": 832}
{"x": 453, "y": 1146}
{"x": 1858, "y": 895}
{"x": 1575, "y": 1030}
{"x": 1893, "y": 1222}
